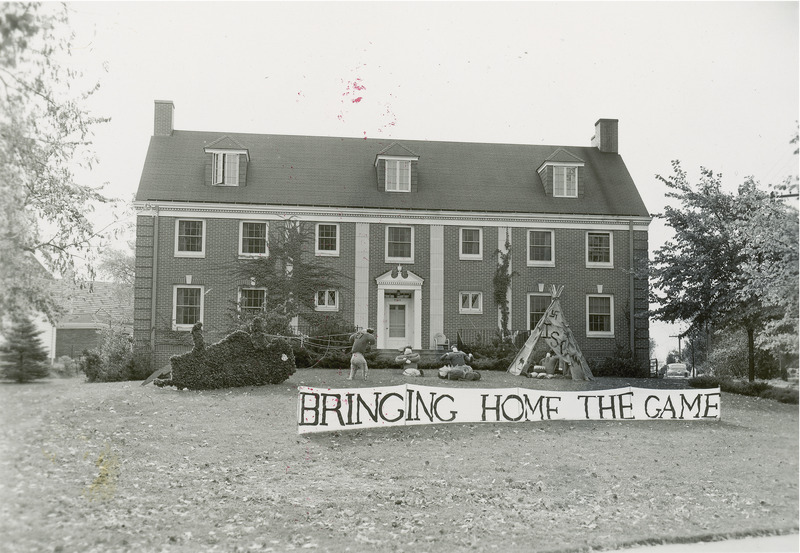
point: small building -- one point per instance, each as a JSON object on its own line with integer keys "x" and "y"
{"x": 91, "y": 307}
{"x": 417, "y": 226}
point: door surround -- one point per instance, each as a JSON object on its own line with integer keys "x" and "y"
{"x": 406, "y": 281}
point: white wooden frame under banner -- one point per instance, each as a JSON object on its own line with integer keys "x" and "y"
{"x": 326, "y": 410}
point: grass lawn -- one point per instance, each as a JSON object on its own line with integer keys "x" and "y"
{"x": 121, "y": 467}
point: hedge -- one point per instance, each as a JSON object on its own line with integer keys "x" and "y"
{"x": 753, "y": 389}
{"x": 239, "y": 359}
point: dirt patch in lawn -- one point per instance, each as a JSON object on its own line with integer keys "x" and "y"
{"x": 121, "y": 467}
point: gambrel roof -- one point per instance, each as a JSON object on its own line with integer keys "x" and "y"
{"x": 340, "y": 172}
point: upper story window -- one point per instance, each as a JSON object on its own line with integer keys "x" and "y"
{"x": 398, "y": 175}
{"x": 327, "y": 300}
{"x": 187, "y": 306}
{"x": 399, "y": 244}
{"x": 394, "y": 167}
{"x": 540, "y": 248}
{"x": 190, "y": 238}
{"x": 226, "y": 162}
{"x": 225, "y": 169}
{"x": 471, "y": 303}
{"x": 600, "y": 315}
{"x": 560, "y": 174}
{"x": 253, "y": 238}
{"x": 565, "y": 182}
{"x": 327, "y": 239}
{"x": 252, "y": 301}
{"x": 599, "y": 249}
{"x": 537, "y": 306}
{"x": 471, "y": 244}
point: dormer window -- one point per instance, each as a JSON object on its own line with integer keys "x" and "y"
{"x": 396, "y": 169}
{"x": 398, "y": 175}
{"x": 561, "y": 176}
{"x": 225, "y": 169}
{"x": 226, "y": 162}
{"x": 565, "y": 182}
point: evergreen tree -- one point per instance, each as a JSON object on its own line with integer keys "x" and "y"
{"x": 22, "y": 356}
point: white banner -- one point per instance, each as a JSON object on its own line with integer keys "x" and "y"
{"x": 325, "y": 410}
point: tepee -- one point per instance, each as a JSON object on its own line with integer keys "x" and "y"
{"x": 555, "y": 331}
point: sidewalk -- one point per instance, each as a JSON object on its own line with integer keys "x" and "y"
{"x": 767, "y": 544}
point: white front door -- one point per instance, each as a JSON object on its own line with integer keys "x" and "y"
{"x": 398, "y": 323}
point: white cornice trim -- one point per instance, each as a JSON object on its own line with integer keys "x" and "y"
{"x": 387, "y": 216}
{"x": 560, "y": 164}
{"x": 395, "y": 158}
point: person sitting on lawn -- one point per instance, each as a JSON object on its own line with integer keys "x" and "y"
{"x": 457, "y": 367}
{"x": 361, "y": 341}
{"x": 409, "y": 361}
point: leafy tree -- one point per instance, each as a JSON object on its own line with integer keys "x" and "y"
{"x": 45, "y": 134}
{"x": 291, "y": 273}
{"x": 701, "y": 275}
{"x": 119, "y": 265}
{"x": 22, "y": 355}
{"x": 730, "y": 357}
{"x": 771, "y": 269}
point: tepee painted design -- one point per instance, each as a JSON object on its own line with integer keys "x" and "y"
{"x": 555, "y": 331}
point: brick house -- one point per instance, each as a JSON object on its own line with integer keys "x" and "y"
{"x": 416, "y": 225}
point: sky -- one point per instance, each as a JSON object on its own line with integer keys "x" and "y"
{"x": 712, "y": 84}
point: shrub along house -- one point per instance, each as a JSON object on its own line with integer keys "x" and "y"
{"x": 416, "y": 226}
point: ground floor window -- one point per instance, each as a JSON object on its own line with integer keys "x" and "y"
{"x": 599, "y": 315}
{"x": 327, "y": 300}
{"x": 537, "y": 305}
{"x": 187, "y": 306}
{"x": 471, "y": 302}
{"x": 252, "y": 301}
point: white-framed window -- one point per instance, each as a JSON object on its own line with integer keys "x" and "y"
{"x": 470, "y": 302}
{"x": 225, "y": 169}
{"x": 398, "y": 175}
{"x": 470, "y": 243}
{"x": 399, "y": 244}
{"x": 327, "y": 239}
{"x": 600, "y": 315}
{"x": 327, "y": 300}
{"x": 187, "y": 306}
{"x": 253, "y": 240}
{"x": 537, "y": 306}
{"x": 599, "y": 249}
{"x": 565, "y": 181}
{"x": 541, "y": 248}
{"x": 252, "y": 300}
{"x": 190, "y": 238}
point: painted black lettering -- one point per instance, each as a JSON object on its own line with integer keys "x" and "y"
{"x": 427, "y": 410}
{"x": 484, "y": 408}
{"x": 361, "y": 403}
{"x": 400, "y": 412}
{"x": 647, "y": 408}
{"x": 668, "y": 406}
{"x": 623, "y": 406}
{"x": 532, "y": 408}
{"x": 521, "y": 408}
{"x": 349, "y": 400}
{"x": 691, "y": 406}
{"x": 336, "y": 409}
{"x": 586, "y": 404}
{"x": 435, "y": 405}
{"x": 710, "y": 406}
{"x": 304, "y": 408}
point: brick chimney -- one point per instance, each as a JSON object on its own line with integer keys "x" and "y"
{"x": 164, "y": 113}
{"x": 606, "y": 137}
